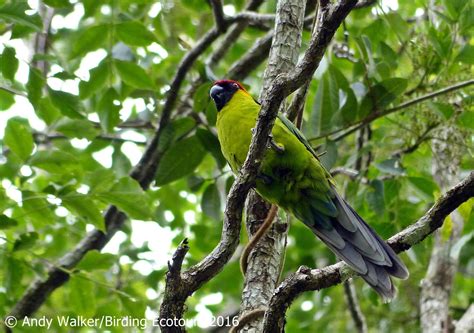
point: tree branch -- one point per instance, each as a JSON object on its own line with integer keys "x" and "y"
{"x": 306, "y": 279}
{"x": 218, "y": 12}
{"x": 43, "y": 138}
{"x": 354, "y": 307}
{"x": 465, "y": 324}
{"x": 218, "y": 54}
{"x": 256, "y": 55}
{"x": 231, "y": 36}
{"x": 365, "y": 3}
{"x": 382, "y": 113}
{"x": 252, "y": 58}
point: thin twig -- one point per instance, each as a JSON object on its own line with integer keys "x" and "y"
{"x": 379, "y": 114}
{"x": 13, "y": 91}
{"x": 254, "y": 57}
{"x": 354, "y": 307}
{"x": 42, "y": 138}
{"x": 422, "y": 138}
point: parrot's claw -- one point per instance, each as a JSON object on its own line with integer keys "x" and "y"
{"x": 277, "y": 147}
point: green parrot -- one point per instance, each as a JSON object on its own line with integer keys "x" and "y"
{"x": 292, "y": 177}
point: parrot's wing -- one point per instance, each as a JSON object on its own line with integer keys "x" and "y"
{"x": 296, "y": 132}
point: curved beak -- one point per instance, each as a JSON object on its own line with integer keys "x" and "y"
{"x": 216, "y": 92}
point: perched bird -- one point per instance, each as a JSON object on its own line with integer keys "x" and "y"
{"x": 292, "y": 177}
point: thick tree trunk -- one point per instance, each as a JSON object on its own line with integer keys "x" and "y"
{"x": 265, "y": 261}
{"x": 436, "y": 286}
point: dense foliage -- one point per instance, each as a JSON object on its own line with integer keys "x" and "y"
{"x": 79, "y": 101}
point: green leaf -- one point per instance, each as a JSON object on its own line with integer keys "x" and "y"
{"x": 36, "y": 209}
{"x": 129, "y": 197}
{"x": 55, "y": 161}
{"x": 68, "y": 104}
{"x": 16, "y": 12}
{"x": 375, "y": 196}
{"x": 97, "y": 80}
{"x": 108, "y": 110}
{"x": 180, "y": 160}
{"x": 211, "y": 144}
{"x": 391, "y": 190}
{"x": 9, "y": 63}
{"x": 425, "y": 186}
{"x": 201, "y": 97}
{"x": 134, "y": 33}
{"x": 441, "y": 41}
{"x": 76, "y": 128}
{"x": 57, "y": 3}
{"x": 25, "y": 241}
{"x": 100, "y": 180}
{"x": 64, "y": 75}
{"x": 387, "y": 91}
{"x": 34, "y": 86}
{"x": 389, "y": 55}
{"x": 134, "y": 75}
{"x": 176, "y": 131}
{"x": 7, "y": 222}
{"x": 90, "y": 7}
{"x": 390, "y": 166}
{"x": 95, "y": 260}
{"x": 84, "y": 207}
{"x": 6, "y": 100}
{"x": 82, "y": 296}
{"x": 19, "y": 138}
{"x": 457, "y": 247}
{"x": 211, "y": 114}
{"x": 195, "y": 182}
{"x": 444, "y": 109}
{"x": 47, "y": 111}
{"x": 13, "y": 272}
{"x": 133, "y": 306}
{"x": 211, "y": 202}
{"x": 398, "y": 25}
{"x": 346, "y": 111}
{"x": 330, "y": 154}
{"x": 324, "y": 104}
{"x": 89, "y": 39}
{"x": 21, "y": 31}
{"x": 348, "y": 106}
{"x": 466, "y": 55}
{"x": 466, "y": 120}
{"x": 454, "y": 7}
{"x": 466, "y": 20}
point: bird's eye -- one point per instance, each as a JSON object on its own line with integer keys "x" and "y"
{"x": 235, "y": 85}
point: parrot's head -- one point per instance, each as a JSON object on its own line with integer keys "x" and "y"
{"x": 223, "y": 90}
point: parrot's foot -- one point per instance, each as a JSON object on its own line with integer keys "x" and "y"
{"x": 275, "y": 146}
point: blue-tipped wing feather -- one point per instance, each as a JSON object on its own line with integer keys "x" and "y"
{"x": 353, "y": 241}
